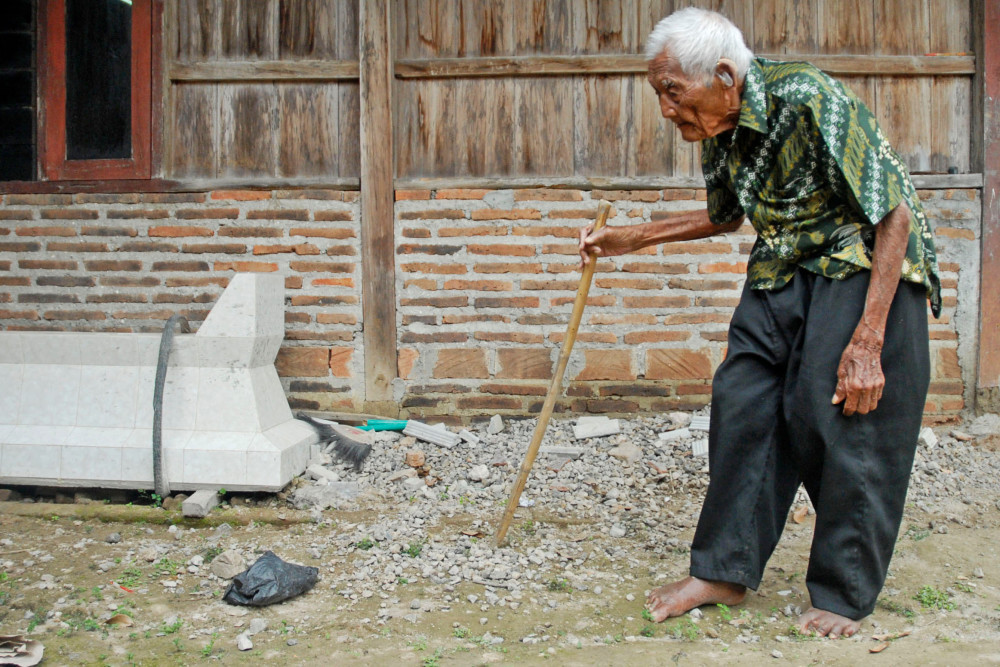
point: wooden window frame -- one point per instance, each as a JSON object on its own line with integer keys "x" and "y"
{"x": 52, "y": 93}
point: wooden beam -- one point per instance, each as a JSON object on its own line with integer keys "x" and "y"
{"x": 854, "y": 65}
{"x": 265, "y": 70}
{"x": 988, "y": 377}
{"x": 377, "y": 200}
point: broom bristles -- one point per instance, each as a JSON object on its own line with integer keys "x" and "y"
{"x": 347, "y": 443}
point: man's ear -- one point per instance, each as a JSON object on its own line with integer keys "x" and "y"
{"x": 725, "y": 69}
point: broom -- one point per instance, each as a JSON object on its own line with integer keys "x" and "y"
{"x": 352, "y": 445}
{"x": 603, "y": 209}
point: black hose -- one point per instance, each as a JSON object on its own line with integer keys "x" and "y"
{"x": 160, "y": 483}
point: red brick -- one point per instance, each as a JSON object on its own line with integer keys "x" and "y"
{"x": 279, "y": 214}
{"x": 702, "y": 285}
{"x": 715, "y": 336}
{"x": 242, "y": 195}
{"x": 293, "y": 282}
{"x": 628, "y": 283}
{"x": 298, "y": 249}
{"x": 443, "y": 337}
{"x": 310, "y": 300}
{"x": 316, "y": 194}
{"x": 45, "y": 231}
{"x": 433, "y": 214}
{"x": 447, "y": 232}
{"x": 510, "y": 337}
{"x": 654, "y": 267}
{"x": 303, "y": 362}
{"x": 118, "y": 297}
{"x": 138, "y": 214}
{"x": 207, "y": 213}
{"x": 147, "y": 246}
{"x": 178, "y": 231}
{"x": 198, "y": 281}
{"x": 412, "y": 195}
{"x": 509, "y": 267}
{"x": 439, "y": 302}
{"x": 674, "y": 364}
{"x": 465, "y": 319}
{"x": 524, "y": 364}
{"x": 607, "y": 365}
{"x": 113, "y": 265}
{"x": 340, "y": 360}
{"x": 332, "y": 216}
{"x": 951, "y": 233}
{"x": 410, "y": 233}
{"x": 109, "y": 231}
{"x": 461, "y": 193}
{"x": 322, "y": 232}
{"x": 547, "y": 194}
{"x": 627, "y": 195}
{"x": 406, "y": 359}
{"x": 180, "y": 266}
{"x": 64, "y": 281}
{"x": 639, "y": 337}
{"x": 90, "y": 315}
{"x": 488, "y": 403}
{"x": 336, "y": 318}
{"x": 701, "y": 194}
{"x": 716, "y": 301}
{"x": 608, "y": 319}
{"x": 246, "y": 267}
{"x": 224, "y": 248}
{"x": 479, "y": 285}
{"x": 341, "y": 251}
{"x": 558, "y": 232}
{"x": 332, "y": 282}
{"x": 948, "y": 366}
{"x": 549, "y": 284}
{"x": 507, "y": 302}
{"x": 419, "y": 249}
{"x": 697, "y": 318}
{"x": 39, "y": 200}
{"x": 460, "y": 363}
{"x": 52, "y": 264}
{"x": 23, "y": 246}
{"x": 5, "y": 265}
{"x": 321, "y": 267}
{"x": 675, "y": 194}
{"x": 576, "y": 214}
{"x": 439, "y": 269}
{"x": 561, "y": 249}
{"x": 251, "y": 232}
{"x": 174, "y": 198}
{"x": 512, "y": 214}
{"x": 6, "y": 314}
{"x": 513, "y": 389}
{"x": 420, "y": 283}
{"x": 559, "y": 337}
{"x": 945, "y": 388}
{"x": 724, "y": 267}
{"x": 16, "y": 215}
{"x": 68, "y": 214}
{"x": 592, "y": 301}
{"x": 694, "y": 390}
{"x": 695, "y": 248}
{"x": 129, "y": 281}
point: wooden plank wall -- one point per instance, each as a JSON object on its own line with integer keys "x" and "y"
{"x": 267, "y": 89}
{"x": 235, "y": 113}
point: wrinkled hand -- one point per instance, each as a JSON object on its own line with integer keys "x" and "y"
{"x": 606, "y": 242}
{"x": 859, "y": 376}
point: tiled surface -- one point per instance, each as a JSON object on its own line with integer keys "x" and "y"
{"x": 77, "y": 408}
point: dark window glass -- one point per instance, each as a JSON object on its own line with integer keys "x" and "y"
{"x": 17, "y": 90}
{"x": 98, "y": 79}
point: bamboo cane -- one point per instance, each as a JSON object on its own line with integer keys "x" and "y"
{"x": 603, "y": 209}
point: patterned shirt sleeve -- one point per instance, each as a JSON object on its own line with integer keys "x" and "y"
{"x": 723, "y": 206}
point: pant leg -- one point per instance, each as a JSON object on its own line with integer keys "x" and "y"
{"x": 856, "y": 469}
{"x": 752, "y": 479}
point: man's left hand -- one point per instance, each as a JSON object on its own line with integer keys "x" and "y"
{"x": 859, "y": 376}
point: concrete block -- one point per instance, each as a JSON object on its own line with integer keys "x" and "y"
{"x": 675, "y": 435}
{"x": 699, "y": 423}
{"x": 200, "y": 503}
{"x": 595, "y": 427}
{"x": 567, "y": 452}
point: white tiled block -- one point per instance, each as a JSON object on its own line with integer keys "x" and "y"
{"x": 252, "y": 305}
{"x": 137, "y": 454}
{"x": 41, "y": 434}
{"x": 33, "y": 461}
{"x": 269, "y": 398}
{"x": 185, "y": 351}
{"x": 226, "y": 401}
{"x": 147, "y": 349}
{"x": 10, "y": 391}
{"x": 108, "y": 349}
{"x": 90, "y": 436}
{"x": 5, "y": 430}
{"x": 137, "y": 457}
{"x": 49, "y": 394}
{"x": 264, "y": 468}
{"x": 266, "y": 350}
{"x": 144, "y": 397}
{"x": 180, "y": 398}
{"x": 91, "y": 463}
{"x": 11, "y": 351}
{"x": 108, "y": 396}
{"x": 44, "y": 347}
{"x": 223, "y": 352}
{"x": 218, "y": 458}
{"x": 290, "y": 434}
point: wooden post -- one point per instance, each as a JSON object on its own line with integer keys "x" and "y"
{"x": 987, "y": 24}
{"x": 377, "y": 239}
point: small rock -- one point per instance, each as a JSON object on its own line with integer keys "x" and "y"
{"x": 292, "y": 642}
{"x": 414, "y": 484}
{"x": 113, "y": 538}
{"x": 243, "y": 642}
{"x": 978, "y": 573}
{"x": 415, "y": 604}
{"x": 478, "y": 473}
{"x": 257, "y": 625}
{"x": 415, "y": 458}
{"x": 496, "y": 425}
{"x": 228, "y": 564}
{"x": 927, "y": 437}
{"x": 628, "y": 452}
{"x": 777, "y": 654}
{"x": 696, "y": 613}
{"x": 617, "y": 530}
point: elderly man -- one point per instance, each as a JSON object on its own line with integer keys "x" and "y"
{"x": 827, "y": 365}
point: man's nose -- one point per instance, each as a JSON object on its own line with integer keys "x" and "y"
{"x": 667, "y": 108}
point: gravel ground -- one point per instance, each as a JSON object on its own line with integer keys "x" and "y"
{"x": 408, "y": 570}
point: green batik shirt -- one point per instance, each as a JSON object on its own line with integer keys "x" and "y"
{"x": 809, "y": 167}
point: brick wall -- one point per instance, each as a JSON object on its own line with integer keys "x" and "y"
{"x": 485, "y": 281}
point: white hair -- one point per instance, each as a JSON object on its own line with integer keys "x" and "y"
{"x": 698, "y": 38}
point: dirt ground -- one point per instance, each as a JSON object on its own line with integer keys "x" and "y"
{"x": 942, "y": 590}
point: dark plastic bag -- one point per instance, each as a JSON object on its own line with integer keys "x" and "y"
{"x": 270, "y": 580}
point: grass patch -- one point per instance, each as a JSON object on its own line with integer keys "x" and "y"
{"x": 932, "y": 598}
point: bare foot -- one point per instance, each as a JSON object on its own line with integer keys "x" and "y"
{"x": 682, "y": 596}
{"x": 826, "y": 624}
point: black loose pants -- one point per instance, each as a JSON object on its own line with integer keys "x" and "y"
{"x": 773, "y": 426}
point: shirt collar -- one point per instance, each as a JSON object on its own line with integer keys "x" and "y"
{"x": 753, "y": 108}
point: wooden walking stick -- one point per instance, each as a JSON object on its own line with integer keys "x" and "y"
{"x": 603, "y": 209}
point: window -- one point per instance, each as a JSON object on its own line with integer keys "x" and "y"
{"x": 17, "y": 90}
{"x": 95, "y": 81}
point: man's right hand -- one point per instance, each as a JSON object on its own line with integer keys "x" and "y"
{"x": 606, "y": 242}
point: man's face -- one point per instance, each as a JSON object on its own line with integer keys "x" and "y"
{"x": 698, "y": 111}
